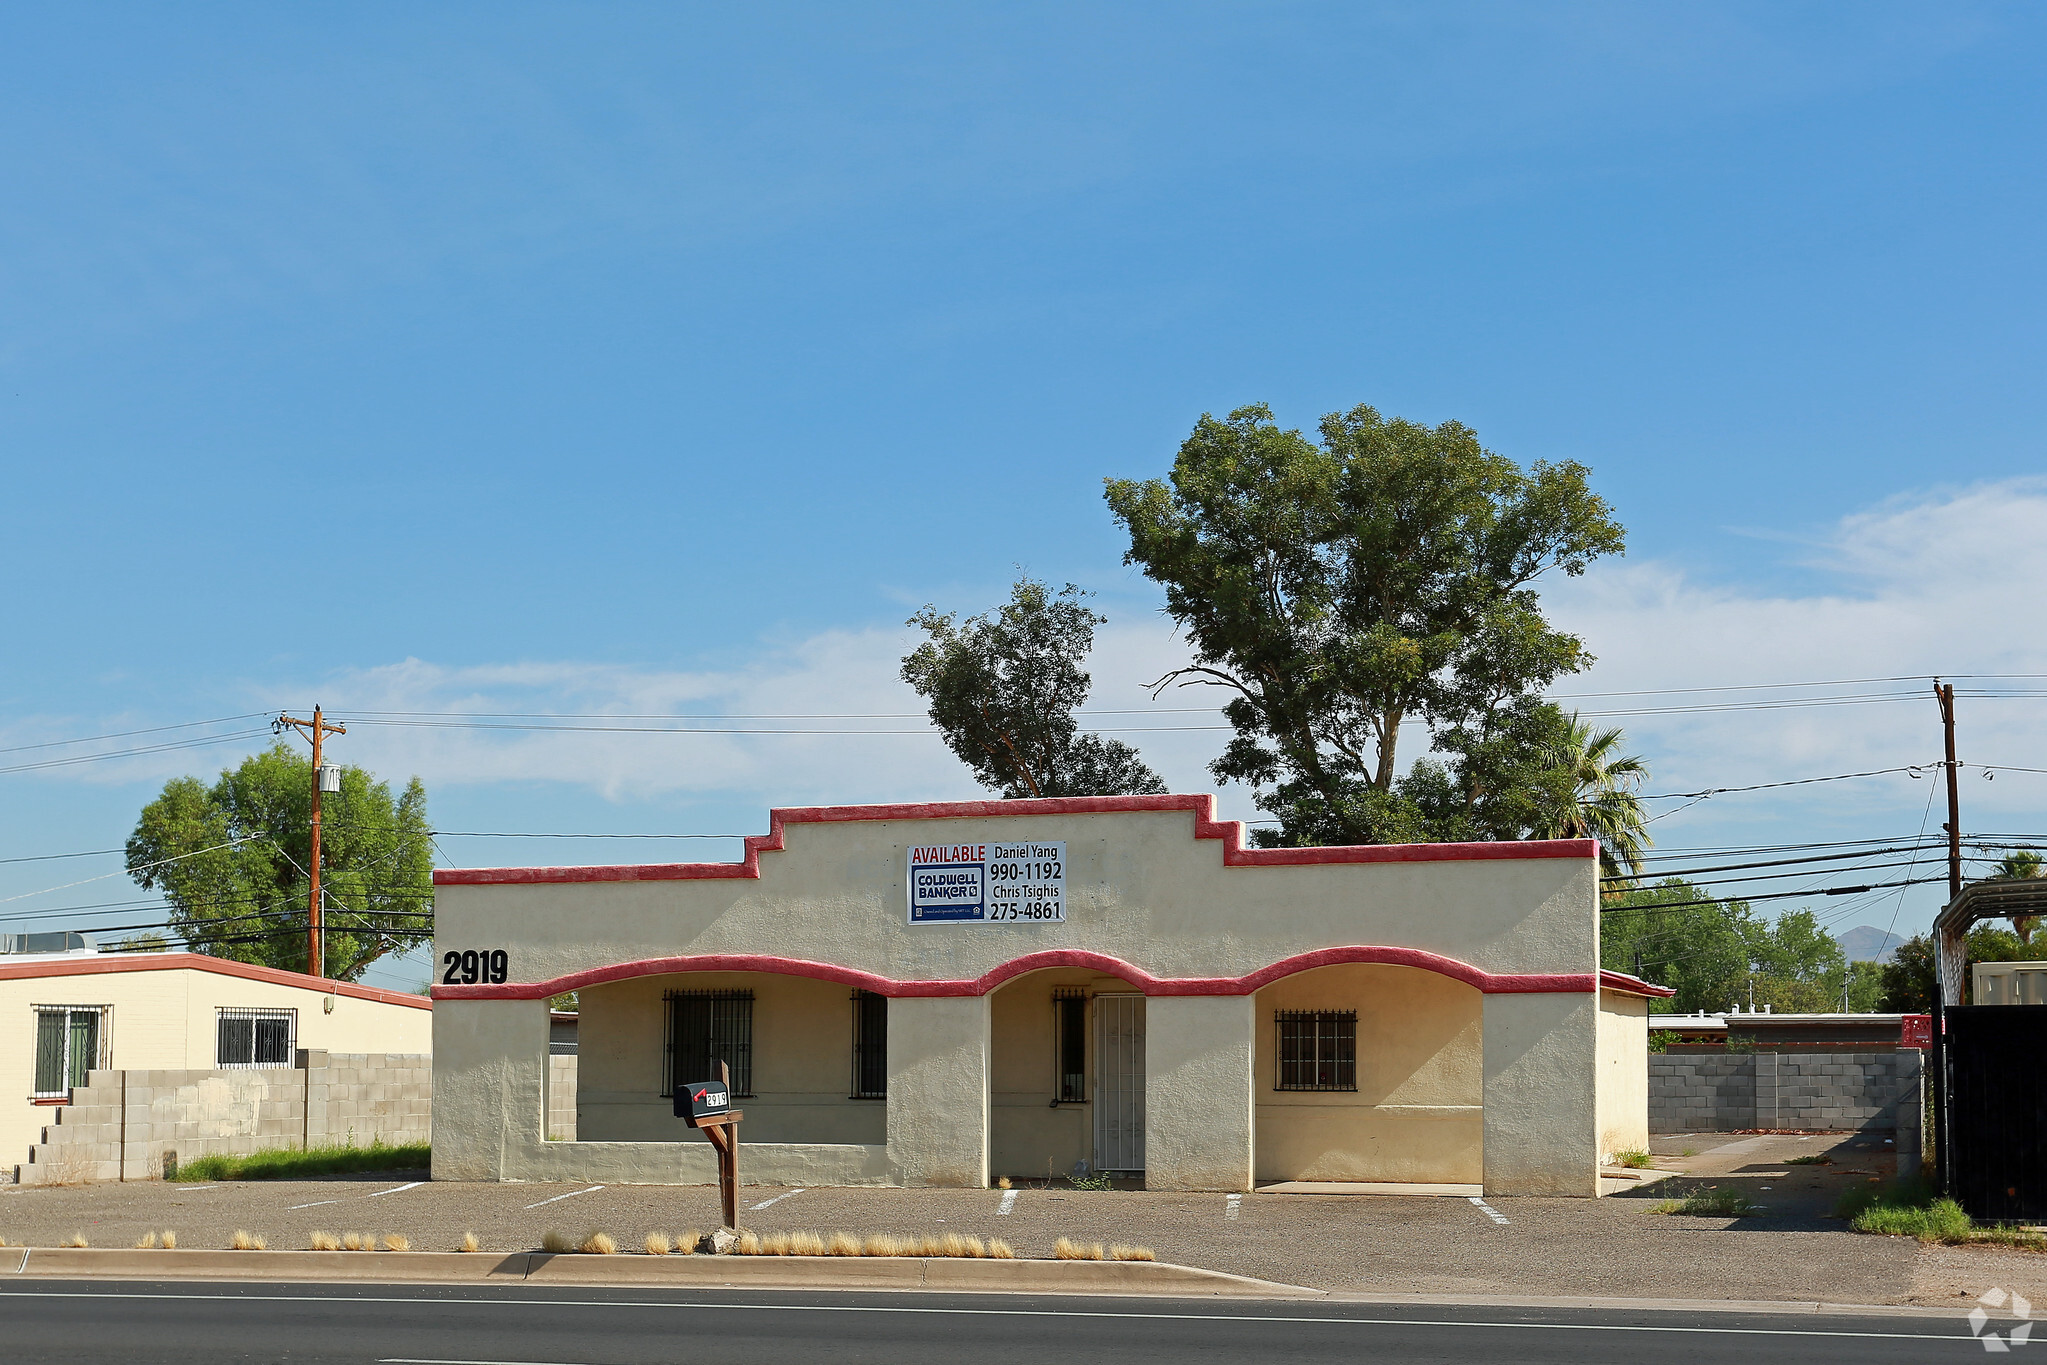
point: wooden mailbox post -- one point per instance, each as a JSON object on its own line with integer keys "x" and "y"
{"x": 708, "y": 1105}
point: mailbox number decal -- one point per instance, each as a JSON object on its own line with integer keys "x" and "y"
{"x": 490, "y": 966}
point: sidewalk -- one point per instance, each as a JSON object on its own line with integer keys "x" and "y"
{"x": 1370, "y": 1244}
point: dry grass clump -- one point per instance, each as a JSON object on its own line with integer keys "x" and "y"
{"x": 397, "y": 1241}
{"x": 749, "y": 1244}
{"x": 1002, "y": 1182}
{"x": 656, "y": 1244}
{"x": 776, "y": 1244}
{"x": 169, "y": 1240}
{"x": 686, "y": 1242}
{"x": 556, "y": 1242}
{"x": 76, "y": 1239}
{"x": 1000, "y": 1250}
{"x": 244, "y": 1240}
{"x": 146, "y": 1242}
{"x": 842, "y": 1244}
{"x": 354, "y": 1241}
{"x": 1121, "y": 1252}
{"x": 323, "y": 1241}
{"x": 1066, "y": 1249}
{"x": 469, "y": 1243}
{"x": 806, "y": 1244}
{"x": 882, "y": 1244}
{"x": 599, "y": 1244}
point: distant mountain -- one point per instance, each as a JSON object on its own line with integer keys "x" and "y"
{"x": 1868, "y": 944}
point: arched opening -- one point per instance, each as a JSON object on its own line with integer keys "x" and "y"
{"x": 1049, "y": 1105}
{"x": 1369, "y": 1072}
{"x": 808, "y": 1056}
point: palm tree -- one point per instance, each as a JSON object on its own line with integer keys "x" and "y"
{"x": 2022, "y": 866}
{"x": 1603, "y": 804}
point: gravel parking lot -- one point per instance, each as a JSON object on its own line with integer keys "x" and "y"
{"x": 1344, "y": 1243}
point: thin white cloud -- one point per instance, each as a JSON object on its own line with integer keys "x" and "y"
{"x": 1944, "y": 582}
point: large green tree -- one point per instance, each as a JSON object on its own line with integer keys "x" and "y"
{"x": 1003, "y": 688}
{"x": 1720, "y": 955}
{"x": 231, "y": 859}
{"x": 1339, "y": 589}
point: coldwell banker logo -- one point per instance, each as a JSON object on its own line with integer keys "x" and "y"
{"x": 2021, "y": 1311}
{"x": 949, "y": 882}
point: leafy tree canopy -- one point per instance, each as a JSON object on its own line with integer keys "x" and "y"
{"x": 1722, "y": 955}
{"x": 231, "y": 860}
{"x": 1339, "y": 589}
{"x": 1003, "y": 688}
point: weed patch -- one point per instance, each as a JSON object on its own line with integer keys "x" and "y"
{"x": 1634, "y": 1159}
{"x": 1816, "y": 1159}
{"x": 1911, "y": 1208}
{"x": 1710, "y": 1202}
{"x": 295, "y": 1163}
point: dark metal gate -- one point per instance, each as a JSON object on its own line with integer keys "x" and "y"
{"x": 1992, "y": 1061}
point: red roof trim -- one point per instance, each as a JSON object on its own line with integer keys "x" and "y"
{"x": 170, "y": 962}
{"x": 1206, "y": 826}
{"x": 1633, "y": 985}
{"x": 1491, "y": 983}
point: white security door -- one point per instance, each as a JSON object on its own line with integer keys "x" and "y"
{"x": 1119, "y": 1083}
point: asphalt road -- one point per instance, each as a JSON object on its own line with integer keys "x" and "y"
{"x": 85, "y": 1323}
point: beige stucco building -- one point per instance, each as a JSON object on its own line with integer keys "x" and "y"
{"x": 72, "y": 1014}
{"x": 943, "y": 994}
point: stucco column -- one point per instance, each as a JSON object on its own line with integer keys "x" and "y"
{"x": 490, "y": 1065}
{"x": 1198, "y": 1091}
{"x": 938, "y": 1091}
{"x": 1541, "y": 1093}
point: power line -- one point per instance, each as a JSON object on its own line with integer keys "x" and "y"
{"x": 1765, "y": 896}
{"x": 128, "y": 734}
{"x": 132, "y": 753}
{"x": 47, "y": 857}
{"x": 1914, "y": 769}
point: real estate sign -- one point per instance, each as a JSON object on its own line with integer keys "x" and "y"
{"x": 987, "y": 883}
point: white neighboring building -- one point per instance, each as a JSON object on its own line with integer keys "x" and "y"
{"x": 64, "y": 1015}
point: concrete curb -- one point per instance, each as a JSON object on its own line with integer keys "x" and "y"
{"x": 737, "y": 1272}
{"x": 1788, "y": 1307}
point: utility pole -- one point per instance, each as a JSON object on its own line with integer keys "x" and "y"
{"x": 1945, "y": 695}
{"x": 316, "y": 729}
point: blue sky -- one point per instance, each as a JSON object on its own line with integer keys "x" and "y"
{"x": 662, "y": 359}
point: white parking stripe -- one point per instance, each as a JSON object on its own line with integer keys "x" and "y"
{"x": 1008, "y": 1201}
{"x": 314, "y": 1205}
{"x": 570, "y": 1195}
{"x": 1232, "y": 1206}
{"x": 765, "y": 1203}
{"x": 1490, "y": 1211}
{"x": 400, "y": 1189}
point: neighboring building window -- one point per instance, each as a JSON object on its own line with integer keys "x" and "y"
{"x": 1318, "y": 1049}
{"x": 1069, "y": 1044}
{"x": 870, "y": 1046}
{"x": 704, "y": 1029}
{"x": 68, "y": 1041}
{"x": 253, "y": 1037}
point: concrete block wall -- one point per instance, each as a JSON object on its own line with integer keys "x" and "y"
{"x": 126, "y": 1125}
{"x": 561, "y": 1097}
{"x": 1824, "y": 1091}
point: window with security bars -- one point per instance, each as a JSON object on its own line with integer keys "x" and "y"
{"x": 1318, "y": 1049}
{"x": 704, "y": 1029}
{"x": 870, "y": 1046}
{"x": 245, "y": 1038}
{"x": 1069, "y": 1044}
{"x": 68, "y": 1043}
